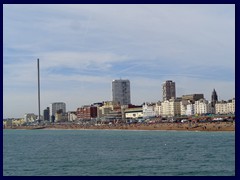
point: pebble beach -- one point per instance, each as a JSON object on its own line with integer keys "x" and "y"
{"x": 210, "y": 126}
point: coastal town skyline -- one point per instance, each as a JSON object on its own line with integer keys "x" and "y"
{"x": 124, "y": 98}
{"x": 82, "y": 48}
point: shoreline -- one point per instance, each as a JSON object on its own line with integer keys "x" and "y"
{"x": 209, "y": 127}
{"x": 135, "y": 130}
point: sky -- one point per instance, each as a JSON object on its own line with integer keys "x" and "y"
{"x": 82, "y": 48}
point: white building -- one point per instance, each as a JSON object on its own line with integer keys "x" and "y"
{"x": 165, "y": 109}
{"x": 158, "y": 109}
{"x": 190, "y": 110}
{"x": 224, "y": 107}
{"x": 30, "y": 117}
{"x": 202, "y": 106}
{"x": 221, "y": 107}
{"x": 187, "y": 107}
{"x": 231, "y": 106}
{"x": 171, "y": 107}
{"x": 72, "y": 116}
{"x": 133, "y": 113}
{"x": 121, "y": 91}
{"x": 54, "y": 107}
{"x": 183, "y": 106}
{"x": 148, "y": 110}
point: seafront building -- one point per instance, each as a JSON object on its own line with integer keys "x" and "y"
{"x": 148, "y": 110}
{"x": 46, "y": 114}
{"x": 192, "y": 97}
{"x": 14, "y": 122}
{"x": 133, "y": 113}
{"x": 187, "y": 103}
{"x": 86, "y": 112}
{"x": 231, "y": 106}
{"x": 72, "y": 116}
{"x": 168, "y": 90}
{"x": 121, "y": 91}
{"x": 225, "y": 107}
{"x": 30, "y": 117}
{"x": 108, "y": 107}
{"x": 60, "y": 116}
{"x": 54, "y": 107}
{"x": 171, "y": 107}
{"x": 120, "y": 108}
{"x": 221, "y": 107}
{"x": 183, "y": 107}
{"x": 202, "y": 106}
{"x": 158, "y": 108}
{"x": 190, "y": 109}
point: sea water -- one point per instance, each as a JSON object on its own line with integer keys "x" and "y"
{"x": 117, "y": 153}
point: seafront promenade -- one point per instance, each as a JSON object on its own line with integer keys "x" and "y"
{"x": 209, "y": 126}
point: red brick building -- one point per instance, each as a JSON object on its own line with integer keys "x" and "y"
{"x": 87, "y": 112}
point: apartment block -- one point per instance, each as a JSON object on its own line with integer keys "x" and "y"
{"x": 171, "y": 107}
{"x": 168, "y": 90}
{"x": 54, "y": 107}
{"x": 202, "y": 106}
{"x": 87, "y": 112}
{"x": 121, "y": 91}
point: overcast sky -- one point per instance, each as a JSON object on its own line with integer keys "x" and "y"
{"x": 82, "y": 48}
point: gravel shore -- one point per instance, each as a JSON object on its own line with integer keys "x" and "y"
{"x": 216, "y": 126}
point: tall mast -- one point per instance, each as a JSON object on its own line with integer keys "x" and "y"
{"x": 38, "y": 90}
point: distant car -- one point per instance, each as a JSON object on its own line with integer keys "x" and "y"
{"x": 172, "y": 120}
{"x": 217, "y": 119}
{"x": 165, "y": 121}
{"x": 184, "y": 120}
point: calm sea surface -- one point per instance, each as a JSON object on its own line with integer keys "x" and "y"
{"x": 117, "y": 153}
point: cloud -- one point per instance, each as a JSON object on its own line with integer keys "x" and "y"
{"x": 83, "y": 47}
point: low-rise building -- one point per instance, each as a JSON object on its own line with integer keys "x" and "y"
{"x": 148, "y": 110}
{"x": 192, "y": 97}
{"x": 133, "y": 113}
{"x": 108, "y": 107}
{"x": 14, "y": 122}
{"x": 18, "y": 122}
{"x": 113, "y": 116}
{"x": 72, "y": 115}
{"x": 87, "y": 112}
{"x": 30, "y": 117}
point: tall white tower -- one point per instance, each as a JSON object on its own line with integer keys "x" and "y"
{"x": 39, "y": 114}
